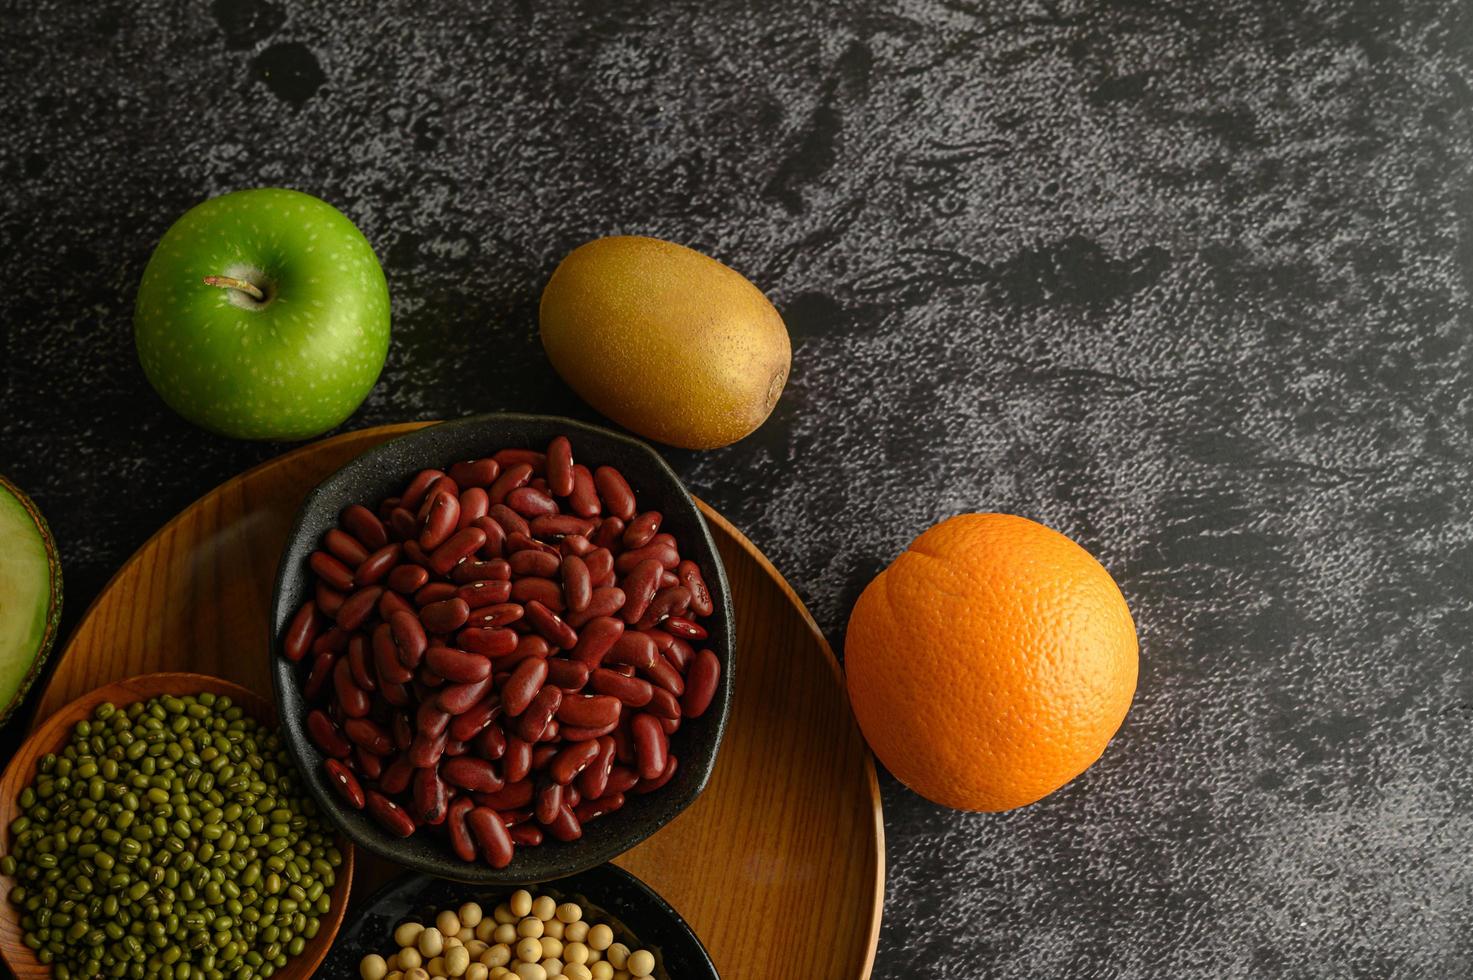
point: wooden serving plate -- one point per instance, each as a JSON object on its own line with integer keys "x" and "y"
{"x": 779, "y": 866}
{"x": 52, "y": 729}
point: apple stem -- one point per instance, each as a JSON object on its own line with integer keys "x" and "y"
{"x": 245, "y": 286}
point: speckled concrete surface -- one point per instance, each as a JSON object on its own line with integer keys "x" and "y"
{"x": 1189, "y": 282}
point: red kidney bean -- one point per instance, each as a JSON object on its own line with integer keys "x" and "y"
{"x": 566, "y": 827}
{"x": 574, "y": 544}
{"x": 392, "y": 602}
{"x": 369, "y": 765}
{"x": 564, "y": 526}
{"x": 684, "y": 628}
{"x": 663, "y": 705}
{"x": 606, "y": 601}
{"x": 545, "y": 591}
{"x": 560, "y": 466}
{"x": 658, "y": 551}
{"x": 458, "y": 698}
{"x": 369, "y": 734}
{"x": 455, "y": 549}
{"x": 351, "y": 698}
{"x": 403, "y": 729}
{"x": 358, "y": 662}
{"x": 414, "y": 554}
{"x": 517, "y": 541}
{"x": 569, "y": 675}
{"x": 475, "y": 472}
{"x": 474, "y": 502}
{"x": 519, "y": 690}
{"x": 549, "y": 800}
{"x": 484, "y": 593}
{"x": 517, "y": 763}
{"x": 512, "y": 457}
{"x": 440, "y": 521}
{"x": 487, "y": 641}
{"x": 508, "y": 520}
{"x": 651, "y": 749}
{"x": 491, "y": 742}
{"x": 666, "y": 603}
{"x": 614, "y": 491}
{"x": 513, "y": 796}
{"x": 650, "y": 785}
{"x": 527, "y": 834}
{"x": 491, "y": 836}
{"x": 583, "y": 498}
{"x": 590, "y": 810}
{"x": 635, "y": 649}
{"x": 445, "y": 616}
{"x": 528, "y": 646}
{"x": 328, "y": 599}
{"x": 577, "y": 583}
{"x": 455, "y": 828}
{"x": 471, "y": 773}
{"x": 321, "y": 673}
{"x": 597, "y": 638}
{"x": 364, "y": 525}
{"x": 639, "y": 587}
{"x": 403, "y": 524}
{"x": 666, "y": 676}
{"x": 609, "y": 534}
{"x": 495, "y": 545}
{"x": 700, "y": 684}
{"x": 394, "y": 693}
{"x": 642, "y": 530}
{"x": 538, "y": 564}
{"x": 426, "y": 750}
{"x": 389, "y": 815}
{"x": 631, "y": 691}
{"x": 357, "y": 608}
{"x": 386, "y": 661}
{"x": 430, "y": 797}
{"x": 512, "y": 478}
{"x": 331, "y": 570}
{"x": 397, "y": 775}
{"x": 495, "y": 615}
{"x": 600, "y": 562}
{"x": 377, "y": 565}
{"x": 465, "y": 726}
{"x": 434, "y": 592}
{"x": 481, "y": 570}
{"x": 418, "y": 488}
{"x": 457, "y": 666}
{"x": 622, "y": 779}
{"x": 531, "y": 502}
{"x": 578, "y": 733}
{"x": 343, "y": 546}
{"x": 589, "y": 710}
{"x": 548, "y": 625}
{"x": 443, "y": 484}
{"x": 334, "y": 640}
{"x": 689, "y": 575}
{"x": 668, "y": 579}
{"x": 538, "y": 713}
{"x": 300, "y": 632}
{"x": 409, "y": 639}
{"x": 593, "y": 781}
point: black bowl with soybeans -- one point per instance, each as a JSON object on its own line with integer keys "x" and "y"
{"x": 503, "y": 647}
{"x": 602, "y": 924}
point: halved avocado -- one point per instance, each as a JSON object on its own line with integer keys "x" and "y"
{"x": 30, "y": 595}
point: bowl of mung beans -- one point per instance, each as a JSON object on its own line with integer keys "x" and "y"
{"x": 156, "y": 827}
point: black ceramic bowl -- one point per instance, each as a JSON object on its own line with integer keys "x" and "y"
{"x": 383, "y": 471}
{"x": 607, "y": 894}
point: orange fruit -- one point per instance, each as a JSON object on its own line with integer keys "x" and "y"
{"x": 991, "y": 662}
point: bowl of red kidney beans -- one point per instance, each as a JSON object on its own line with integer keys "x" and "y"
{"x": 502, "y": 647}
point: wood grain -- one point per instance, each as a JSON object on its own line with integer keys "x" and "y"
{"x": 779, "y": 866}
{"x": 51, "y": 732}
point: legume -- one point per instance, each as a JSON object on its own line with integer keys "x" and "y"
{"x": 510, "y": 631}
{"x": 142, "y": 845}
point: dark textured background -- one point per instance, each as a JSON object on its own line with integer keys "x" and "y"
{"x": 1187, "y": 281}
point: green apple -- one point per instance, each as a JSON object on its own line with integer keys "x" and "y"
{"x": 263, "y": 314}
{"x": 30, "y": 595}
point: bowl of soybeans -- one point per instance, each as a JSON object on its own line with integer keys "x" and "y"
{"x": 601, "y": 924}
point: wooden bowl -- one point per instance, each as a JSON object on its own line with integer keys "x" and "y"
{"x": 52, "y": 733}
